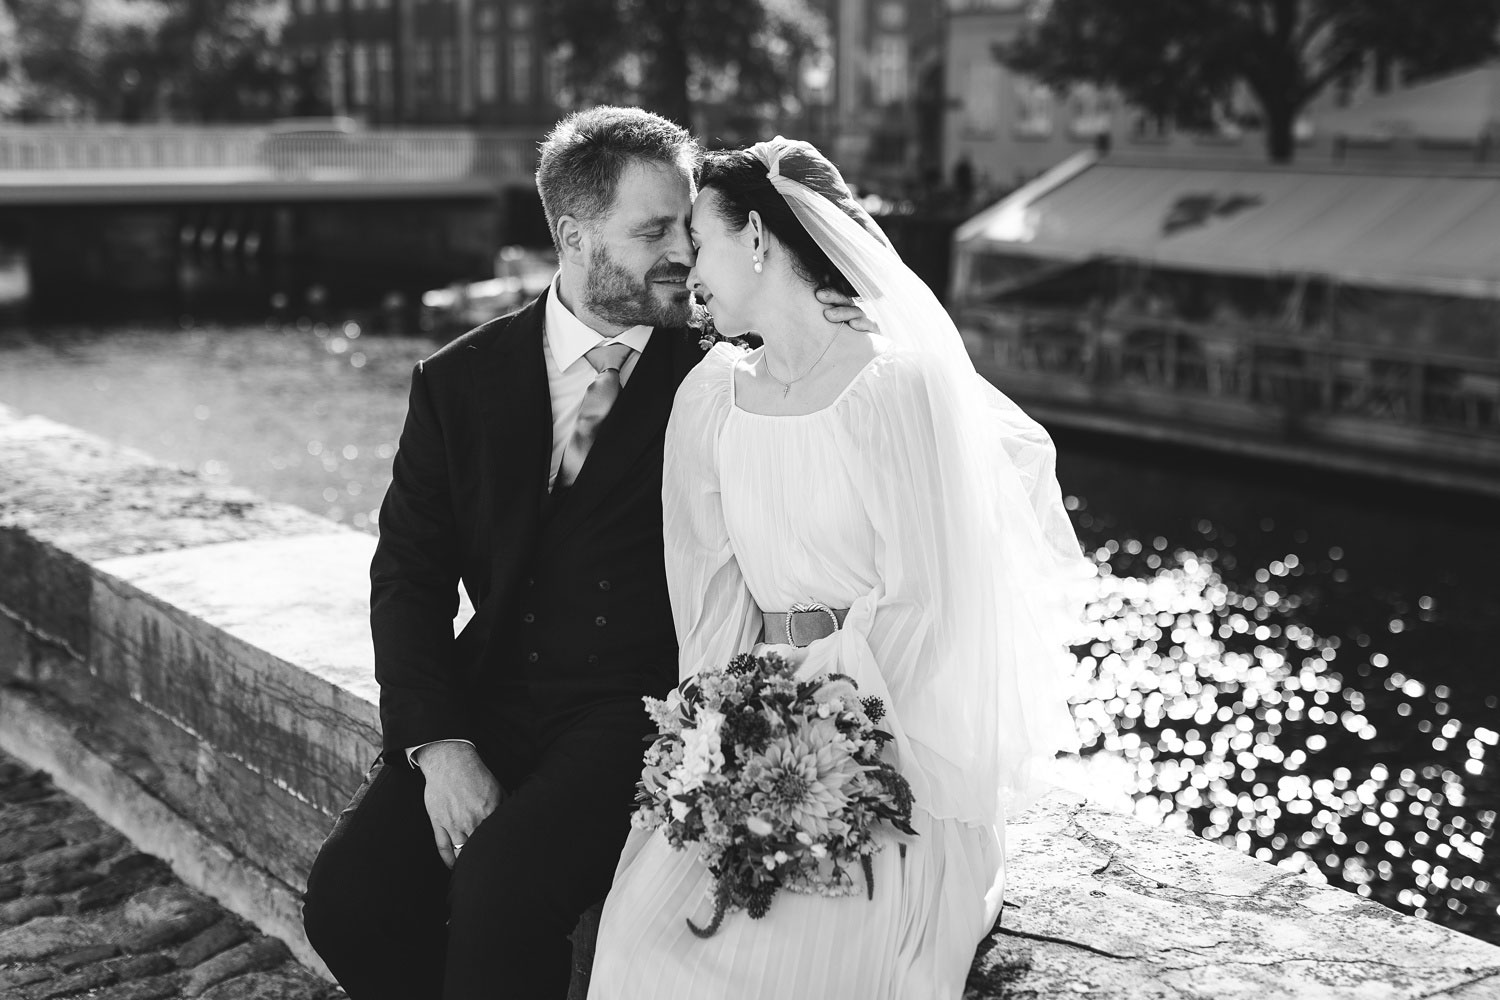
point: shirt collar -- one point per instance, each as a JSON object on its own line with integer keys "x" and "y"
{"x": 570, "y": 338}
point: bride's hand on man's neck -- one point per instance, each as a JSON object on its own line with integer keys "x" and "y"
{"x": 796, "y": 332}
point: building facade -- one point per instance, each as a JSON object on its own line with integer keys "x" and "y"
{"x": 438, "y": 62}
{"x": 1005, "y": 128}
{"x": 886, "y": 81}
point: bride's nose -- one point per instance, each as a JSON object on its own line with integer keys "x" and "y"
{"x": 694, "y": 283}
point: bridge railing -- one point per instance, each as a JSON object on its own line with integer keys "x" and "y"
{"x": 407, "y": 154}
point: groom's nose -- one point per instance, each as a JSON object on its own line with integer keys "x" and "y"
{"x": 681, "y": 249}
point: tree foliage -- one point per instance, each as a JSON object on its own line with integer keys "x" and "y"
{"x": 671, "y": 55}
{"x": 132, "y": 60}
{"x": 1183, "y": 60}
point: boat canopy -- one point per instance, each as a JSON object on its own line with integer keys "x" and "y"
{"x": 1394, "y": 230}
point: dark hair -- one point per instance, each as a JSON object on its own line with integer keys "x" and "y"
{"x": 740, "y": 177}
{"x": 584, "y": 155}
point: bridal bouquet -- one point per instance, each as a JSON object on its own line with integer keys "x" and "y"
{"x": 779, "y": 780}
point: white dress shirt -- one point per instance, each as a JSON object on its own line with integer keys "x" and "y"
{"x": 569, "y": 374}
{"x": 566, "y": 339}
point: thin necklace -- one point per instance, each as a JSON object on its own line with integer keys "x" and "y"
{"x": 786, "y": 387}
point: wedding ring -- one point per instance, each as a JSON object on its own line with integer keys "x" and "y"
{"x": 458, "y": 847}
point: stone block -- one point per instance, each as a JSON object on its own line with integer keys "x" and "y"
{"x": 113, "y": 888}
{"x": 74, "y": 982}
{"x": 252, "y": 956}
{"x": 88, "y": 955}
{"x": 45, "y": 936}
{"x": 28, "y": 907}
{"x": 58, "y": 883}
{"x": 72, "y": 857}
{"x": 143, "y": 966}
{"x": 163, "y": 903}
{"x": 26, "y": 843}
{"x": 11, "y": 980}
{"x": 133, "y": 863}
{"x": 223, "y": 935}
{"x": 15, "y": 649}
{"x": 44, "y": 813}
{"x": 47, "y": 589}
{"x": 155, "y": 988}
{"x": 31, "y": 789}
{"x": 279, "y": 984}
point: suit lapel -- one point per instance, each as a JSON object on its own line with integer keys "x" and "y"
{"x": 516, "y": 411}
{"x": 635, "y": 421}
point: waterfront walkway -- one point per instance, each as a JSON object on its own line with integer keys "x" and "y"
{"x": 83, "y": 913}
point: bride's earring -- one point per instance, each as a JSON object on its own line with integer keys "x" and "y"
{"x": 755, "y": 258}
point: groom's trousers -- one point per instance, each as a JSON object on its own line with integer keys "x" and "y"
{"x": 393, "y": 923}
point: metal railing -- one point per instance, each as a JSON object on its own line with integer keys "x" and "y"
{"x": 1294, "y": 374}
{"x": 408, "y": 154}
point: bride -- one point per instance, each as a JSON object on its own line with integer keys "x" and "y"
{"x": 881, "y": 479}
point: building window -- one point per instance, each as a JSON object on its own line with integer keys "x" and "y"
{"x": 359, "y": 72}
{"x": 556, "y": 76}
{"x": 520, "y": 16}
{"x": 445, "y": 72}
{"x": 307, "y": 7}
{"x": 1034, "y": 109}
{"x": 488, "y": 69}
{"x": 423, "y": 65}
{"x": 892, "y": 16}
{"x": 335, "y": 57}
{"x": 385, "y": 78}
{"x": 981, "y": 98}
{"x": 520, "y": 66}
{"x": 486, "y": 19}
{"x": 357, "y": 4}
{"x": 1088, "y": 112}
{"x": 889, "y": 70}
{"x": 332, "y": 6}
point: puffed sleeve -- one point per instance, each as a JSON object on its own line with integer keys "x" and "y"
{"x": 711, "y": 606}
{"x": 967, "y": 627}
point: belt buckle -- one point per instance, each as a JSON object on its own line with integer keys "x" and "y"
{"x": 799, "y": 608}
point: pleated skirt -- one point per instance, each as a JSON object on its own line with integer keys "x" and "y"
{"x": 914, "y": 940}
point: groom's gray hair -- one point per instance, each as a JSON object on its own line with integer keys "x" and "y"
{"x": 585, "y": 153}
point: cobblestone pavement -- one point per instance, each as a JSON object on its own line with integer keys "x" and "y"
{"x": 84, "y": 914}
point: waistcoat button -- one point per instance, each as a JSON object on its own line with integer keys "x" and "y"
{"x": 528, "y": 618}
{"x": 603, "y": 584}
{"x": 601, "y": 621}
{"x": 533, "y": 657}
{"x": 593, "y": 658}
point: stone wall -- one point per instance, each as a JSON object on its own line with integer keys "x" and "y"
{"x": 193, "y": 662}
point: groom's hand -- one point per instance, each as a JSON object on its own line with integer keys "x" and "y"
{"x": 460, "y": 793}
{"x": 840, "y": 308}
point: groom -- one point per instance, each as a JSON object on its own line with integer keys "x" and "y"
{"x": 529, "y": 470}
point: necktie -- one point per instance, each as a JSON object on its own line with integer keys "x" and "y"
{"x": 607, "y": 360}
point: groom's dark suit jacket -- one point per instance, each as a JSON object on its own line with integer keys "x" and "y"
{"x": 570, "y": 591}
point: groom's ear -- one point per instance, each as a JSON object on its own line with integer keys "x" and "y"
{"x": 570, "y": 238}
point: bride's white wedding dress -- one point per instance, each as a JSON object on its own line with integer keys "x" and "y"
{"x": 842, "y": 506}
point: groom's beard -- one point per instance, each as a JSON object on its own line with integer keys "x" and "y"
{"x": 614, "y": 294}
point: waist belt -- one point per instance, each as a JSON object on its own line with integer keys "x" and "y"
{"x": 802, "y": 625}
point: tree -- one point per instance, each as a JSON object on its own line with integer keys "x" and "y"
{"x": 129, "y": 60}
{"x": 1183, "y": 60}
{"x": 669, "y": 55}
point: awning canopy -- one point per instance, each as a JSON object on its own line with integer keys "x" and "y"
{"x": 1430, "y": 233}
{"x": 1460, "y": 107}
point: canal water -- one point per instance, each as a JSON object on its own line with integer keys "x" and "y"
{"x": 1299, "y": 666}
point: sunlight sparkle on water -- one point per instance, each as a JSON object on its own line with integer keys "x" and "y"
{"x": 1224, "y": 713}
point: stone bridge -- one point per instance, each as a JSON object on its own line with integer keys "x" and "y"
{"x": 193, "y": 663}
